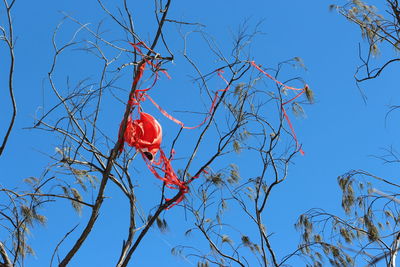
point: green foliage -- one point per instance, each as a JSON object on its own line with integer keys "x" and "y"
{"x": 203, "y": 264}
{"x": 297, "y": 109}
{"x": 234, "y": 176}
{"x": 162, "y": 225}
{"x": 365, "y": 227}
{"x": 247, "y": 243}
{"x": 373, "y": 233}
{"x": 226, "y": 239}
{"x": 75, "y": 204}
{"x": 348, "y": 198}
{"x": 239, "y": 89}
{"x": 300, "y": 62}
{"x": 236, "y": 146}
{"x": 83, "y": 176}
{"x": 31, "y": 216}
{"x": 309, "y": 94}
{"x": 374, "y": 27}
{"x": 216, "y": 179}
{"x": 176, "y": 251}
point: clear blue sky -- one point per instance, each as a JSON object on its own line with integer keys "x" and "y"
{"x": 339, "y": 133}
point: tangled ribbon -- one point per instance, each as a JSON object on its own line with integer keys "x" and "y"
{"x": 285, "y": 115}
{"x": 145, "y": 133}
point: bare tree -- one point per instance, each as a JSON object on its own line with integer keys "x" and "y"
{"x": 246, "y": 116}
{"x": 264, "y": 139}
{"x": 378, "y": 29}
{"x": 368, "y": 233}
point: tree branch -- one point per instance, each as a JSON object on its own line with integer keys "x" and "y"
{"x": 10, "y": 42}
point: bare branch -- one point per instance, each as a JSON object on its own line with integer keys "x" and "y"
{"x": 10, "y": 43}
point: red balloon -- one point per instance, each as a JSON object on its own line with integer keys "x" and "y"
{"x": 145, "y": 134}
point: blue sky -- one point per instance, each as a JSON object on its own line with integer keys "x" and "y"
{"x": 340, "y": 131}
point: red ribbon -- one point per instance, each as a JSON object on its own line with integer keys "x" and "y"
{"x": 213, "y": 103}
{"x": 285, "y": 115}
{"x": 145, "y": 134}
